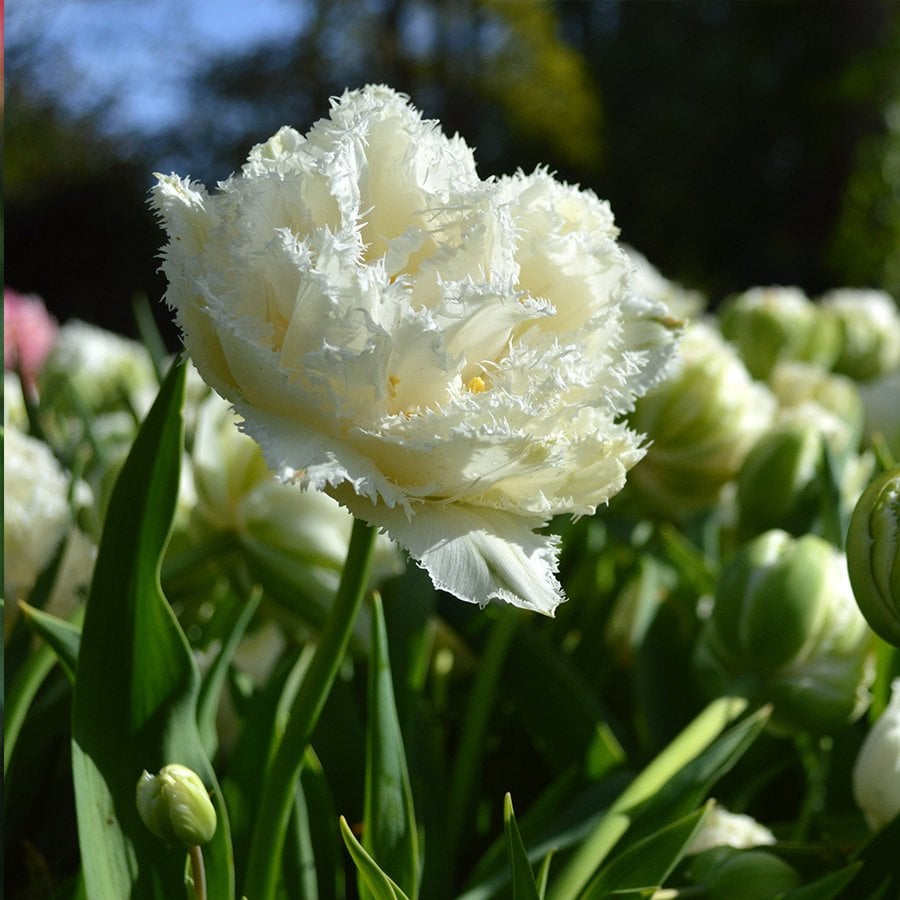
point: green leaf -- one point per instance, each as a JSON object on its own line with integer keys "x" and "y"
{"x": 690, "y": 744}
{"x": 390, "y": 825}
{"x": 63, "y": 638}
{"x": 826, "y": 888}
{"x": 646, "y": 864}
{"x": 524, "y": 886}
{"x": 379, "y": 884}
{"x": 879, "y": 875}
{"x": 137, "y": 683}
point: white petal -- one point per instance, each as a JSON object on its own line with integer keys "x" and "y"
{"x": 476, "y": 554}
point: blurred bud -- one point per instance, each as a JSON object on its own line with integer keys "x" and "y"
{"x": 729, "y": 874}
{"x": 779, "y": 483}
{"x": 782, "y": 483}
{"x": 876, "y": 773}
{"x": 831, "y": 402}
{"x": 769, "y": 324}
{"x": 175, "y": 806}
{"x": 882, "y": 411}
{"x": 784, "y": 629}
{"x": 870, "y": 332}
{"x": 107, "y": 371}
{"x": 722, "y": 828}
{"x": 701, "y": 422}
{"x": 647, "y": 281}
{"x": 29, "y": 332}
{"x": 873, "y": 554}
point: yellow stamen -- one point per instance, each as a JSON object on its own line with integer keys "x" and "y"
{"x": 393, "y": 381}
{"x": 476, "y": 385}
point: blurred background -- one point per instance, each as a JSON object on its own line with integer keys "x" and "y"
{"x": 739, "y": 143}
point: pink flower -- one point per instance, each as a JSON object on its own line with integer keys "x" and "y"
{"x": 29, "y": 333}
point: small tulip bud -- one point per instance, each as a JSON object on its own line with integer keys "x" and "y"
{"x": 876, "y": 773}
{"x": 175, "y": 806}
{"x": 778, "y": 323}
{"x": 785, "y": 627}
{"x": 873, "y": 555}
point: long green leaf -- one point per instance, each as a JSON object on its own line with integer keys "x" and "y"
{"x": 136, "y": 688}
{"x": 647, "y": 864}
{"x": 390, "y": 826}
{"x": 702, "y": 732}
{"x": 524, "y": 886}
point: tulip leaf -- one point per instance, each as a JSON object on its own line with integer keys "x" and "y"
{"x": 826, "y": 888}
{"x": 524, "y": 886}
{"x": 647, "y": 863}
{"x": 61, "y": 636}
{"x": 879, "y": 858}
{"x": 380, "y": 885}
{"x": 697, "y": 737}
{"x": 390, "y": 834}
{"x": 137, "y": 684}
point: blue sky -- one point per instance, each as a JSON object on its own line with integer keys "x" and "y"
{"x": 140, "y": 51}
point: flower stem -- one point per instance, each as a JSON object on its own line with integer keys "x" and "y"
{"x": 198, "y": 871}
{"x": 273, "y": 812}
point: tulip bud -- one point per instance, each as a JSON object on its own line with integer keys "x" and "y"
{"x": 101, "y": 367}
{"x": 873, "y": 554}
{"x": 832, "y": 402}
{"x": 778, "y": 485}
{"x": 701, "y": 422}
{"x": 776, "y": 323}
{"x": 870, "y": 332}
{"x": 175, "y": 806}
{"x": 784, "y": 629}
{"x": 876, "y": 773}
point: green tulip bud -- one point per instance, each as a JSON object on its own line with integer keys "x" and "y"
{"x": 729, "y": 874}
{"x": 701, "y": 422}
{"x": 784, "y": 629}
{"x": 778, "y": 485}
{"x": 776, "y": 323}
{"x": 869, "y": 323}
{"x": 175, "y": 806}
{"x": 873, "y": 554}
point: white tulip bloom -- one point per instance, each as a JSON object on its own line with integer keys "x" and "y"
{"x": 876, "y": 773}
{"x": 447, "y": 357}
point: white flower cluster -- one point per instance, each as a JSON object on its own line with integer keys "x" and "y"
{"x": 448, "y": 357}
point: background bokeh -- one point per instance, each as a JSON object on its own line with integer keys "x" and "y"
{"x": 739, "y": 143}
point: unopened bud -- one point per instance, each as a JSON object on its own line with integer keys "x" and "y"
{"x": 873, "y": 555}
{"x": 785, "y": 627}
{"x": 175, "y": 806}
{"x": 769, "y": 324}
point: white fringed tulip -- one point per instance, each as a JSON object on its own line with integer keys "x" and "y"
{"x": 447, "y": 357}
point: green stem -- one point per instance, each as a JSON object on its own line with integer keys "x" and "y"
{"x": 277, "y": 800}
{"x": 198, "y": 870}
